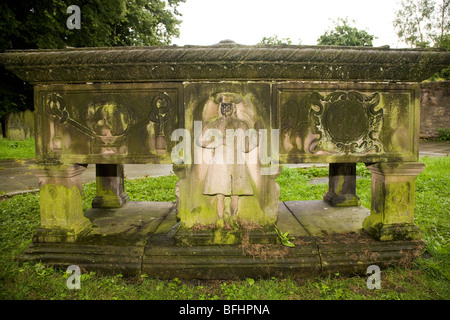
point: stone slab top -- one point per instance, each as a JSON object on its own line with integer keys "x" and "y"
{"x": 225, "y": 61}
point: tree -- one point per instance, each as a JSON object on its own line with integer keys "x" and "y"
{"x": 423, "y": 23}
{"x": 345, "y": 35}
{"x": 41, "y": 24}
{"x": 274, "y": 40}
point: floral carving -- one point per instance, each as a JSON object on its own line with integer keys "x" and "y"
{"x": 347, "y": 122}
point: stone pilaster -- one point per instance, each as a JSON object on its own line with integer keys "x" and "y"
{"x": 392, "y": 212}
{"x": 110, "y": 186}
{"x": 342, "y": 185}
{"x": 61, "y": 209}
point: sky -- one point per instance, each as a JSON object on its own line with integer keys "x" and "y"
{"x": 207, "y": 22}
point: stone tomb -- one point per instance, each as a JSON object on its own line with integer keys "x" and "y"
{"x": 227, "y": 117}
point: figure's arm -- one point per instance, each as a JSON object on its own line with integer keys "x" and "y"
{"x": 254, "y": 135}
{"x": 252, "y": 140}
{"x": 208, "y": 134}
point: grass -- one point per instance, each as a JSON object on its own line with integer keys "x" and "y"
{"x": 428, "y": 278}
{"x": 17, "y": 149}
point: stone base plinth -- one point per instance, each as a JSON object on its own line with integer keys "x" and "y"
{"x": 145, "y": 238}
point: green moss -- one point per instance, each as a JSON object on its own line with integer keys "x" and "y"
{"x": 396, "y": 132}
{"x": 107, "y": 198}
{"x": 61, "y": 213}
{"x": 340, "y": 184}
{"x": 392, "y": 215}
{"x": 224, "y": 237}
{"x": 348, "y": 202}
{"x": 48, "y": 159}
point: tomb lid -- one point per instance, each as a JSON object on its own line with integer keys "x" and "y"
{"x": 225, "y": 61}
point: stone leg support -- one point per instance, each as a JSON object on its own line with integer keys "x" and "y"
{"x": 392, "y": 212}
{"x": 342, "y": 185}
{"x": 110, "y": 186}
{"x": 61, "y": 210}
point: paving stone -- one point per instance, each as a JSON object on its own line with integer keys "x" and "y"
{"x": 319, "y": 218}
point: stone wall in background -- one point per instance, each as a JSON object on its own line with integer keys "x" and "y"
{"x": 434, "y": 108}
{"x": 19, "y": 125}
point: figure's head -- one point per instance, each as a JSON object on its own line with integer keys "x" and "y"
{"x": 227, "y": 105}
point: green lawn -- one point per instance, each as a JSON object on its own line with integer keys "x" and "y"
{"x": 428, "y": 278}
{"x": 17, "y": 149}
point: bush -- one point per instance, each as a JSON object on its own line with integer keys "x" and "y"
{"x": 443, "y": 134}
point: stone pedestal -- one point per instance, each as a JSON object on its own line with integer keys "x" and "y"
{"x": 143, "y": 238}
{"x": 198, "y": 212}
{"x": 110, "y": 186}
{"x": 392, "y": 211}
{"x": 62, "y": 218}
{"x": 342, "y": 185}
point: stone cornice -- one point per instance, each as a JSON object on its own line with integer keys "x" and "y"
{"x": 224, "y": 61}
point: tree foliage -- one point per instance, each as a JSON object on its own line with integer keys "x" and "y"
{"x": 344, "y": 34}
{"x": 423, "y": 23}
{"x": 41, "y": 24}
{"x": 274, "y": 40}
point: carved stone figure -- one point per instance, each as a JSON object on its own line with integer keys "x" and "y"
{"x": 225, "y": 176}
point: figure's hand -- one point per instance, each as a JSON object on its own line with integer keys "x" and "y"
{"x": 210, "y": 139}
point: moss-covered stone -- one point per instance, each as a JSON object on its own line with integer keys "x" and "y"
{"x": 238, "y": 234}
{"x": 61, "y": 214}
{"x": 214, "y": 193}
{"x": 225, "y": 62}
{"x": 61, "y": 209}
{"x": 342, "y": 185}
{"x": 392, "y": 209}
{"x": 110, "y": 186}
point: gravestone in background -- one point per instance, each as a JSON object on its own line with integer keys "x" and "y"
{"x": 20, "y": 125}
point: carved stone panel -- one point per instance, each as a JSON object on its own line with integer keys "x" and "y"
{"x": 345, "y": 122}
{"x": 223, "y": 183}
{"x": 108, "y": 123}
